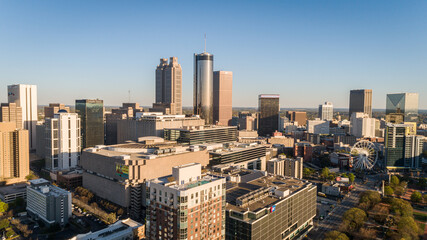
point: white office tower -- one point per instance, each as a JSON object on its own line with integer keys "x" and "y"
{"x": 318, "y": 126}
{"x": 326, "y": 111}
{"x": 25, "y": 96}
{"x": 361, "y": 125}
{"x": 63, "y": 141}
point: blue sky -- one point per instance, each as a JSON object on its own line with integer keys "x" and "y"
{"x": 307, "y": 51}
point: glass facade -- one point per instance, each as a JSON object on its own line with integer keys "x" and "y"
{"x": 268, "y": 114}
{"x": 91, "y": 113}
{"x": 405, "y": 103}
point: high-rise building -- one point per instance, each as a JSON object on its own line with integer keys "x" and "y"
{"x": 127, "y": 112}
{"x": 63, "y": 142}
{"x": 10, "y": 112}
{"x": 48, "y": 203}
{"x": 404, "y": 103}
{"x": 203, "y": 86}
{"x": 247, "y": 121}
{"x": 289, "y": 167}
{"x": 361, "y": 125}
{"x": 318, "y": 126}
{"x": 326, "y": 111}
{"x": 361, "y": 101}
{"x": 298, "y": 117}
{"x": 268, "y": 107}
{"x": 91, "y": 114}
{"x": 25, "y": 96}
{"x": 49, "y": 112}
{"x": 186, "y": 205}
{"x": 169, "y": 86}
{"x": 222, "y": 97}
{"x": 402, "y": 148}
{"x": 14, "y": 153}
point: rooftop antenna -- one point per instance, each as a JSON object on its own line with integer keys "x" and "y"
{"x": 205, "y": 42}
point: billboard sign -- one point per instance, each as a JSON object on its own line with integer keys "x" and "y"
{"x": 122, "y": 170}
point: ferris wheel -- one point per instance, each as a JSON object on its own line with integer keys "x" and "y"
{"x": 364, "y": 154}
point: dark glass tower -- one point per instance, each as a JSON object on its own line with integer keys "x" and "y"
{"x": 361, "y": 101}
{"x": 203, "y": 86}
{"x": 269, "y": 108}
{"x": 91, "y": 113}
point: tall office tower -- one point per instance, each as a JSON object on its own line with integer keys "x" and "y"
{"x": 25, "y": 96}
{"x": 91, "y": 114}
{"x": 49, "y": 112}
{"x": 186, "y": 205}
{"x": 361, "y": 101}
{"x": 10, "y": 112}
{"x": 14, "y": 153}
{"x": 404, "y": 103}
{"x": 289, "y": 167}
{"x": 299, "y": 117}
{"x": 402, "y": 148}
{"x": 326, "y": 111}
{"x": 361, "y": 125}
{"x": 63, "y": 143}
{"x": 169, "y": 86}
{"x": 222, "y": 97}
{"x": 268, "y": 107}
{"x": 126, "y": 112}
{"x": 203, "y": 86}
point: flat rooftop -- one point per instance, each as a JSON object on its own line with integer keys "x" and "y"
{"x": 202, "y": 128}
{"x": 170, "y": 182}
{"x": 236, "y": 148}
{"x": 15, "y": 188}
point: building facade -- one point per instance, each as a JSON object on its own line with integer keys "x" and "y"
{"x": 63, "y": 141}
{"x": 186, "y": 205}
{"x": 48, "y": 203}
{"x": 49, "y": 112}
{"x": 222, "y": 97}
{"x": 269, "y": 108}
{"x": 404, "y": 103}
{"x": 14, "y": 153}
{"x": 128, "y": 111}
{"x": 120, "y": 230}
{"x": 91, "y": 114}
{"x": 10, "y": 112}
{"x": 318, "y": 126}
{"x": 361, "y": 101}
{"x": 362, "y": 125}
{"x": 299, "y": 117}
{"x": 326, "y": 111}
{"x": 201, "y": 134}
{"x": 203, "y": 86}
{"x": 25, "y": 97}
{"x": 289, "y": 167}
{"x": 169, "y": 85}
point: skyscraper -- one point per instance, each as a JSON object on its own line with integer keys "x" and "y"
{"x": 63, "y": 141}
{"x": 268, "y": 107}
{"x": 25, "y": 96}
{"x": 326, "y": 111}
{"x": 404, "y": 103}
{"x": 14, "y": 153}
{"x": 49, "y": 112}
{"x": 91, "y": 114}
{"x": 360, "y": 101}
{"x": 169, "y": 86}
{"x": 10, "y": 112}
{"x": 222, "y": 95}
{"x": 203, "y": 86}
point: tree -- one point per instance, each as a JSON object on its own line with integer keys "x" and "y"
{"x": 3, "y": 207}
{"x": 4, "y": 223}
{"x": 370, "y": 198}
{"x": 398, "y": 191}
{"x": 344, "y": 175}
{"x": 425, "y": 198}
{"x": 31, "y": 176}
{"x": 335, "y": 235}
{"x": 422, "y": 182}
{"x": 401, "y": 207}
{"x": 307, "y": 172}
{"x": 351, "y": 177}
{"x": 380, "y": 212}
{"x": 388, "y": 191}
{"x": 325, "y": 173}
{"x": 416, "y": 197}
{"x": 366, "y": 233}
{"x": 353, "y": 219}
{"x": 394, "y": 181}
{"x": 407, "y": 228}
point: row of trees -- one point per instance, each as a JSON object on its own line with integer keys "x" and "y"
{"x": 88, "y": 198}
{"x": 326, "y": 174}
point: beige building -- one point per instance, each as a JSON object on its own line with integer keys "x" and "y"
{"x": 289, "y": 167}
{"x": 118, "y": 172}
{"x": 168, "y": 87}
{"x": 11, "y": 112}
{"x": 222, "y": 97}
{"x": 49, "y": 112}
{"x": 127, "y": 111}
{"x": 14, "y": 153}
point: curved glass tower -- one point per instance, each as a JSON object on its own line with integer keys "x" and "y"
{"x": 203, "y": 86}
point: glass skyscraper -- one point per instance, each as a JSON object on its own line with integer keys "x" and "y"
{"x": 405, "y": 103}
{"x": 91, "y": 113}
{"x": 269, "y": 108}
{"x": 203, "y": 86}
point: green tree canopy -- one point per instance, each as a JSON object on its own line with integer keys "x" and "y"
{"x": 335, "y": 235}
{"x": 353, "y": 219}
{"x": 401, "y": 207}
{"x": 325, "y": 172}
{"x": 370, "y": 198}
{"x": 3, "y": 207}
{"x": 351, "y": 177}
{"x": 416, "y": 196}
{"x": 407, "y": 228}
{"x": 344, "y": 175}
{"x": 394, "y": 181}
{"x": 388, "y": 191}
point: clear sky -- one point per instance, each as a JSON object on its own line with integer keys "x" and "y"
{"x": 307, "y": 51}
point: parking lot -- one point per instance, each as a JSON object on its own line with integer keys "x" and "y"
{"x": 325, "y": 207}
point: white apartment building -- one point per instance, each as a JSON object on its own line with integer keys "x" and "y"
{"x": 326, "y": 111}
{"x": 318, "y": 126}
{"x": 361, "y": 125}
{"x": 63, "y": 141}
{"x": 25, "y": 96}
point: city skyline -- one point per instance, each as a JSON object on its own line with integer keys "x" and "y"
{"x": 332, "y": 47}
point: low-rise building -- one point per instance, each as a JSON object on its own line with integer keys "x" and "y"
{"x": 304, "y": 150}
{"x": 201, "y": 134}
{"x": 289, "y": 167}
{"x": 48, "y": 203}
{"x": 10, "y": 193}
{"x": 251, "y": 156}
{"x": 123, "y": 229}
